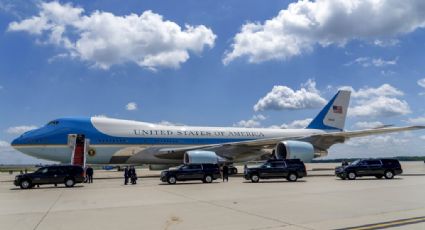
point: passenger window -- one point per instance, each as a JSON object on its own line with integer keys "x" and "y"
{"x": 374, "y": 162}
{"x": 195, "y": 166}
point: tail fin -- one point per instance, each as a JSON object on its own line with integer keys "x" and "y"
{"x": 333, "y": 114}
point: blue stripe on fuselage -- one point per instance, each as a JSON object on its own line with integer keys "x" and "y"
{"x": 58, "y": 135}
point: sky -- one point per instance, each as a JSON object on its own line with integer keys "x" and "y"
{"x": 239, "y": 63}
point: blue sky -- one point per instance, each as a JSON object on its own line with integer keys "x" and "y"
{"x": 89, "y": 58}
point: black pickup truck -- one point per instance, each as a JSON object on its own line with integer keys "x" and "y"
{"x": 55, "y": 174}
{"x": 378, "y": 168}
{"x": 291, "y": 169}
{"x": 204, "y": 172}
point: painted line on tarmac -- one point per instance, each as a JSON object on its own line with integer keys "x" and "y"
{"x": 388, "y": 224}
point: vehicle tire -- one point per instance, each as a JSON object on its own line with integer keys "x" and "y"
{"x": 379, "y": 177}
{"x": 389, "y": 174}
{"x": 292, "y": 177}
{"x": 255, "y": 178}
{"x": 69, "y": 182}
{"x": 351, "y": 175}
{"x": 208, "y": 179}
{"x": 25, "y": 184}
{"x": 172, "y": 180}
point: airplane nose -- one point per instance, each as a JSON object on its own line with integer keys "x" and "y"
{"x": 15, "y": 142}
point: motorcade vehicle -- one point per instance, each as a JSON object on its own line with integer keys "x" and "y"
{"x": 378, "y": 168}
{"x": 69, "y": 175}
{"x": 207, "y": 173}
{"x": 290, "y": 169}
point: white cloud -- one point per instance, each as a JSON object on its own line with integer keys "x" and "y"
{"x": 254, "y": 122}
{"x": 417, "y": 120}
{"x": 106, "y": 39}
{"x": 377, "y": 140}
{"x": 131, "y": 106}
{"x": 20, "y": 129}
{"x": 304, "y": 24}
{"x": 386, "y": 43}
{"x": 297, "y": 124}
{"x": 377, "y": 102}
{"x": 376, "y": 62}
{"x": 421, "y": 82}
{"x": 423, "y": 137}
{"x": 385, "y": 90}
{"x": 368, "y": 124}
{"x": 282, "y": 97}
{"x": 380, "y": 107}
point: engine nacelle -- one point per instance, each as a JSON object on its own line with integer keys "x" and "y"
{"x": 294, "y": 150}
{"x": 201, "y": 156}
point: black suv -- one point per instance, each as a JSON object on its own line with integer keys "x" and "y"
{"x": 55, "y": 174}
{"x": 291, "y": 169}
{"x": 379, "y": 168}
{"x": 205, "y": 172}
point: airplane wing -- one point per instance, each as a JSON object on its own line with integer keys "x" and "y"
{"x": 320, "y": 141}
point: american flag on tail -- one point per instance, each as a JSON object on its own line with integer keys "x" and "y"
{"x": 337, "y": 109}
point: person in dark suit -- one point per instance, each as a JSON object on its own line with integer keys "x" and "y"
{"x": 133, "y": 175}
{"x": 126, "y": 175}
{"x": 89, "y": 174}
{"x": 225, "y": 173}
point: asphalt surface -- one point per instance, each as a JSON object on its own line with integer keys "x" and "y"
{"x": 315, "y": 202}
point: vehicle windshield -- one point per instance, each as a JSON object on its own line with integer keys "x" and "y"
{"x": 355, "y": 162}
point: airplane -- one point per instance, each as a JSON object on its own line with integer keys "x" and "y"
{"x": 116, "y": 141}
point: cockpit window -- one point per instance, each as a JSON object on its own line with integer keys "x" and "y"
{"x": 55, "y": 122}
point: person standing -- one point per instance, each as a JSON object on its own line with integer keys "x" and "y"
{"x": 126, "y": 175}
{"x": 133, "y": 175}
{"x": 89, "y": 174}
{"x": 225, "y": 173}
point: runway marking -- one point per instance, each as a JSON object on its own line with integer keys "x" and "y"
{"x": 388, "y": 224}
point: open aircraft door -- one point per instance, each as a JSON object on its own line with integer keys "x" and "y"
{"x": 79, "y": 145}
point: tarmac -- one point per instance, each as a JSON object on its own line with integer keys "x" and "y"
{"x": 319, "y": 201}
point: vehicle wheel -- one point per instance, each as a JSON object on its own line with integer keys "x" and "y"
{"x": 69, "y": 182}
{"x": 389, "y": 174}
{"x": 292, "y": 177}
{"x": 208, "y": 179}
{"x": 379, "y": 177}
{"x": 172, "y": 180}
{"x": 25, "y": 184}
{"x": 351, "y": 175}
{"x": 255, "y": 178}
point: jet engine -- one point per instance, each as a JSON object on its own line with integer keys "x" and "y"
{"x": 294, "y": 150}
{"x": 201, "y": 156}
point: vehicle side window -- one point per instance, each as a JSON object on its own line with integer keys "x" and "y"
{"x": 195, "y": 167}
{"x": 53, "y": 170}
{"x": 362, "y": 163}
{"x": 373, "y": 162}
{"x": 279, "y": 165}
{"x": 267, "y": 165}
{"x": 44, "y": 170}
{"x": 61, "y": 170}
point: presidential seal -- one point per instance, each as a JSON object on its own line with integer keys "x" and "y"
{"x": 92, "y": 152}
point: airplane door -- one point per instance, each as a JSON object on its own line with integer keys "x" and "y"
{"x": 79, "y": 146}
